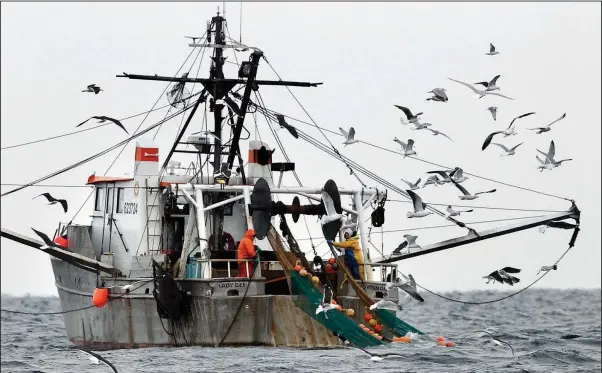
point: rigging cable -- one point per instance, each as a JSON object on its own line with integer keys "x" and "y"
{"x": 432, "y": 163}
{"x": 571, "y": 244}
{"x": 77, "y": 309}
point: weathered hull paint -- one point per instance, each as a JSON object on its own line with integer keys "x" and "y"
{"x": 132, "y": 321}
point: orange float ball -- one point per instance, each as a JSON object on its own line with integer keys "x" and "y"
{"x": 378, "y": 328}
{"x": 450, "y": 344}
{"x": 367, "y": 317}
{"x": 339, "y": 307}
{"x": 370, "y": 332}
{"x": 350, "y": 312}
{"x": 331, "y": 261}
{"x": 440, "y": 339}
{"x": 372, "y": 322}
{"x": 303, "y": 272}
{"x": 298, "y": 267}
{"x": 315, "y": 280}
{"x": 362, "y": 326}
{"x": 441, "y": 343}
{"x": 405, "y": 339}
{"x": 379, "y": 337}
{"x": 100, "y": 297}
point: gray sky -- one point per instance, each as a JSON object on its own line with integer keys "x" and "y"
{"x": 369, "y": 56}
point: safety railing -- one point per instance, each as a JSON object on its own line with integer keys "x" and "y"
{"x": 194, "y": 269}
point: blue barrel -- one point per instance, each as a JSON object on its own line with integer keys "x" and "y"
{"x": 193, "y": 269}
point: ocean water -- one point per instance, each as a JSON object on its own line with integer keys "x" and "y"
{"x": 532, "y": 322}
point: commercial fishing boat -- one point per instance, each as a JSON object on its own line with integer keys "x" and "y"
{"x": 159, "y": 258}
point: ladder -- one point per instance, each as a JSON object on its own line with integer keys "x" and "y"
{"x": 153, "y": 219}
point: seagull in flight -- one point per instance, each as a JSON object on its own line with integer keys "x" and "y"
{"x": 492, "y": 51}
{"x": 540, "y": 130}
{"x": 408, "y": 285}
{"x": 420, "y": 126}
{"x": 438, "y": 95}
{"x": 451, "y": 212}
{"x": 288, "y": 127}
{"x": 549, "y": 162}
{"x": 408, "y": 149}
{"x": 445, "y": 176}
{"x": 432, "y": 180}
{"x": 491, "y": 86}
{"x": 53, "y": 201}
{"x": 498, "y": 342}
{"x": 502, "y": 276}
{"x": 349, "y": 136}
{"x": 493, "y": 111}
{"x": 411, "y": 240}
{"x": 435, "y": 133}
{"x": 102, "y": 119}
{"x": 466, "y": 194}
{"x": 458, "y": 175}
{"x": 508, "y": 152}
{"x": 331, "y": 213}
{"x": 413, "y": 186}
{"x": 479, "y": 92}
{"x": 93, "y": 88}
{"x": 384, "y": 304}
{"x": 510, "y": 131}
{"x": 547, "y": 269}
{"x": 96, "y": 359}
{"x": 412, "y": 118}
{"x": 419, "y": 206}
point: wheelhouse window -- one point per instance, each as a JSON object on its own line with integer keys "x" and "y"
{"x": 98, "y": 200}
{"x": 120, "y": 200}
{"x": 109, "y": 203}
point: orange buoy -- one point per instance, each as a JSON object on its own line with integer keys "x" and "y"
{"x": 100, "y": 297}
{"x": 303, "y": 272}
{"x": 404, "y": 339}
{"x": 315, "y": 280}
{"x": 350, "y": 312}
{"x": 331, "y": 261}
{"x": 450, "y": 344}
{"x": 376, "y": 335}
{"x": 298, "y": 267}
{"x": 440, "y": 339}
{"x": 372, "y": 322}
{"x": 380, "y": 337}
{"x": 367, "y": 317}
{"x": 378, "y": 328}
{"x": 339, "y": 307}
{"x": 371, "y": 332}
{"x": 441, "y": 343}
{"x": 362, "y": 326}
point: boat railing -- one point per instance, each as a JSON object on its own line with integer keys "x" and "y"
{"x": 196, "y": 265}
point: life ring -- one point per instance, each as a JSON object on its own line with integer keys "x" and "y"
{"x": 229, "y": 241}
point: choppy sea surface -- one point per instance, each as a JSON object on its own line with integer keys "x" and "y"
{"x": 532, "y": 322}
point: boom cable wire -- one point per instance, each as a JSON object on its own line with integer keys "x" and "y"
{"x": 427, "y": 161}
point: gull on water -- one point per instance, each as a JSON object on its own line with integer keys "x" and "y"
{"x": 466, "y": 194}
{"x": 493, "y": 111}
{"x": 547, "y": 268}
{"x": 540, "y": 130}
{"x": 384, "y": 304}
{"x": 432, "y": 180}
{"x": 412, "y": 118}
{"x": 413, "y": 186}
{"x": 491, "y": 86}
{"x": 435, "y": 133}
{"x": 438, "y": 95}
{"x": 508, "y": 152}
{"x": 349, "y": 136}
{"x": 492, "y": 51}
{"x": 549, "y": 162}
{"x": 451, "y": 212}
{"x": 419, "y": 206}
{"x": 497, "y": 341}
{"x": 458, "y": 175}
{"x": 510, "y": 131}
{"x": 408, "y": 149}
{"x": 479, "y": 92}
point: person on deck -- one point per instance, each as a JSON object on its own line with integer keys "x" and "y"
{"x": 354, "y": 256}
{"x": 247, "y": 250}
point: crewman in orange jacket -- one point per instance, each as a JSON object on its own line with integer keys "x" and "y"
{"x": 246, "y": 250}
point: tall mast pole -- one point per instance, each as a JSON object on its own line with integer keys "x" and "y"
{"x": 217, "y": 72}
